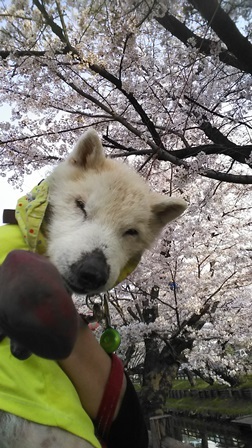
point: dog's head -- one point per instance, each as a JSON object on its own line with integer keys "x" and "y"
{"x": 103, "y": 217}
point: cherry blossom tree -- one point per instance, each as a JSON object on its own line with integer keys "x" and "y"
{"x": 189, "y": 302}
{"x": 161, "y": 80}
{"x": 168, "y": 86}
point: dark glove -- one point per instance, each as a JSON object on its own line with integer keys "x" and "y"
{"x": 36, "y": 311}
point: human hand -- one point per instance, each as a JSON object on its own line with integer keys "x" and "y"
{"x": 36, "y": 311}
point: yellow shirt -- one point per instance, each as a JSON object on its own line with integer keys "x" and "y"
{"x": 37, "y": 389}
{"x": 10, "y": 239}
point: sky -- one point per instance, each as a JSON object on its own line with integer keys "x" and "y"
{"x": 8, "y": 194}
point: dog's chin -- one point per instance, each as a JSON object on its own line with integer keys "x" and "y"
{"x": 80, "y": 290}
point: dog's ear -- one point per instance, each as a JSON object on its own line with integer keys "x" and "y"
{"x": 88, "y": 151}
{"x": 166, "y": 209}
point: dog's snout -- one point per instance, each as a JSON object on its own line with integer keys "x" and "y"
{"x": 90, "y": 272}
{"x": 94, "y": 269}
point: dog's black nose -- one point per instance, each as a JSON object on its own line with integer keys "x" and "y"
{"x": 89, "y": 273}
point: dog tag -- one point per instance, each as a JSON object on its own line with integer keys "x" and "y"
{"x": 110, "y": 340}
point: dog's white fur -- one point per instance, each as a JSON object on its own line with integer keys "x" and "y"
{"x": 98, "y": 206}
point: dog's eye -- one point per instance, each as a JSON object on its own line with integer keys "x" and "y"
{"x": 132, "y": 232}
{"x": 81, "y": 205}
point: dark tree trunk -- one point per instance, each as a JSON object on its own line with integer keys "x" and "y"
{"x": 204, "y": 377}
{"x": 190, "y": 376}
{"x": 223, "y": 373}
{"x": 160, "y": 370}
{"x": 157, "y": 380}
{"x": 161, "y": 363}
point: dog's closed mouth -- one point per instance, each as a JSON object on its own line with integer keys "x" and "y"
{"x": 77, "y": 289}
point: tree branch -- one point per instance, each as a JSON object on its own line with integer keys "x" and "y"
{"x": 104, "y": 73}
{"x": 205, "y": 46}
{"x": 42, "y": 134}
{"x": 56, "y": 29}
{"x": 222, "y": 145}
{"x": 217, "y": 114}
{"x": 4, "y": 54}
{"x": 156, "y": 144}
{"x": 239, "y": 153}
{"x": 226, "y": 30}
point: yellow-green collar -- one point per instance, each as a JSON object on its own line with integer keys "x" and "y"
{"x": 128, "y": 269}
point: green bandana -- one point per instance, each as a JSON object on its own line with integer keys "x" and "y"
{"x": 30, "y": 213}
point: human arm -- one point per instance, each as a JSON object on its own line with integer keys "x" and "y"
{"x": 90, "y": 369}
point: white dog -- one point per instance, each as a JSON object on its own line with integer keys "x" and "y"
{"x": 100, "y": 217}
{"x": 105, "y": 213}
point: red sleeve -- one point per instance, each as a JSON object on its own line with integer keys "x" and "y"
{"x": 110, "y": 398}
{"x": 128, "y": 429}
